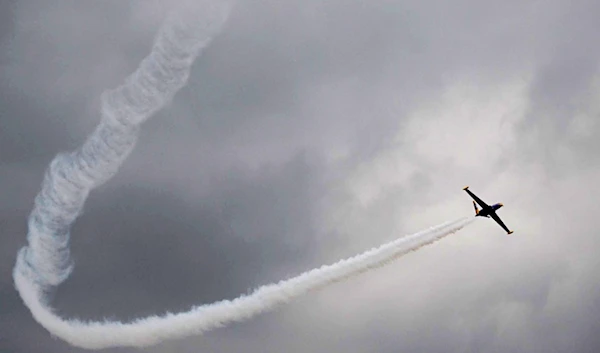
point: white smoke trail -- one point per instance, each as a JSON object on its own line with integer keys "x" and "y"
{"x": 71, "y": 176}
{"x": 45, "y": 261}
{"x": 154, "y": 329}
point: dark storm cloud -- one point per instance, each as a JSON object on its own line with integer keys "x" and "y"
{"x": 562, "y": 87}
{"x": 224, "y": 191}
{"x": 569, "y": 60}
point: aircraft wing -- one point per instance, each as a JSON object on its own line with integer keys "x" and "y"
{"x": 477, "y": 199}
{"x": 499, "y": 221}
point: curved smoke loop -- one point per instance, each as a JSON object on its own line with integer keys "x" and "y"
{"x": 45, "y": 262}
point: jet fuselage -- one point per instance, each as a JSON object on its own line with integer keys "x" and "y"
{"x": 487, "y": 211}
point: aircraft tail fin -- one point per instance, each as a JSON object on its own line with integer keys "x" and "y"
{"x": 476, "y": 209}
{"x": 510, "y": 232}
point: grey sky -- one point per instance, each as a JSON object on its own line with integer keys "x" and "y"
{"x": 310, "y": 131}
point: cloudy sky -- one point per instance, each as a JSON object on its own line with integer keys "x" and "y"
{"x": 311, "y": 131}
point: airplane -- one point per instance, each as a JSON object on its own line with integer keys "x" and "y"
{"x": 487, "y": 210}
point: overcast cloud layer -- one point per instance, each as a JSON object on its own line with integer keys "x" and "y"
{"x": 310, "y": 131}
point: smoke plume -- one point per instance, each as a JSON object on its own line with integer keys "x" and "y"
{"x": 154, "y": 329}
{"x": 45, "y": 262}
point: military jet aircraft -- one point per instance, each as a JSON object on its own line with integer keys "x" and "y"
{"x": 487, "y": 210}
